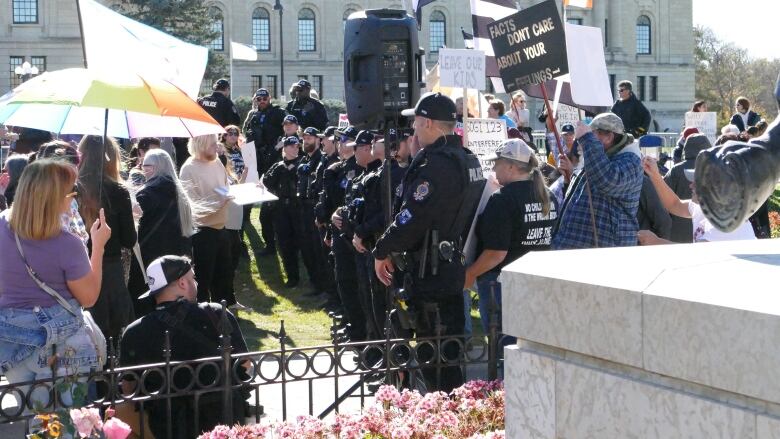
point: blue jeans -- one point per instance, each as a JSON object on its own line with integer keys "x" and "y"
{"x": 467, "y": 329}
{"x": 484, "y": 284}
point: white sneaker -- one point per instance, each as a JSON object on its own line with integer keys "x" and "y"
{"x": 238, "y": 306}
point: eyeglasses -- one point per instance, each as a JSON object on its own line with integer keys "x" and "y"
{"x": 262, "y": 98}
{"x": 146, "y": 165}
{"x": 232, "y": 133}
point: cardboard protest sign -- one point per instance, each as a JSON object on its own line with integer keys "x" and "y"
{"x": 250, "y": 160}
{"x": 530, "y": 46}
{"x": 566, "y": 114}
{"x": 706, "y": 122}
{"x": 485, "y": 136}
{"x": 462, "y": 68}
{"x": 343, "y": 121}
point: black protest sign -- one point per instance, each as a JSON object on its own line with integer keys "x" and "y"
{"x": 530, "y": 46}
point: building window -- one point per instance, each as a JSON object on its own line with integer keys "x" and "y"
{"x": 654, "y": 88}
{"x": 270, "y": 85}
{"x": 306, "y": 77}
{"x": 316, "y": 84}
{"x": 640, "y": 87}
{"x": 257, "y": 82}
{"x": 606, "y": 32}
{"x": 612, "y": 81}
{"x": 218, "y": 27}
{"x": 347, "y": 13}
{"x": 438, "y": 31}
{"x": 574, "y": 21}
{"x": 40, "y": 62}
{"x": 643, "y": 36}
{"x": 25, "y": 11}
{"x": 261, "y": 30}
{"x": 14, "y": 62}
{"x": 307, "y": 39}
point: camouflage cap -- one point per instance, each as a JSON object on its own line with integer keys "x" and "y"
{"x": 608, "y": 122}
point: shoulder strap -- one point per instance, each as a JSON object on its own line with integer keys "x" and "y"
{"x": 41, "y": 284}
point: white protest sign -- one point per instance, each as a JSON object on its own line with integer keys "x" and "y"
{"x": 566, "y": 114}
{"x": 246, "y": 193}
{"x": 343, "y": 121}
{"x": 462, "y": 68}
{"x": 706, "y": 122}
{"x": 485, "y": 136}
{"x": 249, "y": 155}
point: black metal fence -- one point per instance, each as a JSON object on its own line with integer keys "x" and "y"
{"x": 213, "y": 383}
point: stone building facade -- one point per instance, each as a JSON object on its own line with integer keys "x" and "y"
{"x": 649, "y": 42}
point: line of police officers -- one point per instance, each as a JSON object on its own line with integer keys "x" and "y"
{"x": 330, "y": 210}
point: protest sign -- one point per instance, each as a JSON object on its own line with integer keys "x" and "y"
{"x": 343, "y": 121}
{"x": 246, "y": 193}
{"x": 249, "y": 155}
{"x": 530, "y": 46}
{"x": 485, "y": 136}
{"x": 566, "y": 114}
{"x": 706, "y": 122}
{"x": 462, "y": 68}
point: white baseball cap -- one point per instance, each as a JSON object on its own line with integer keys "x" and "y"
{"x": 512, "y": 149}
{"x": 163, "y": 271}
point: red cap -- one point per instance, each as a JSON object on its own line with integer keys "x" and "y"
{"x": 688, "y": 131}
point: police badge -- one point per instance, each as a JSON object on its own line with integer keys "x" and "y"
{"x": 404, "y": 217}
{"x": 422, "y": 191}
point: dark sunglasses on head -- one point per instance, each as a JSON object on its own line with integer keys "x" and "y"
{"x": 343, "y": 139}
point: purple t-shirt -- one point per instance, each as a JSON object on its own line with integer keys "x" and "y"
{"x": 56, "y": 260}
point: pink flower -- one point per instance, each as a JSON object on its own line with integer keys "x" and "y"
{"x": 114, "y": 428}
{"x": 86, "y": 420}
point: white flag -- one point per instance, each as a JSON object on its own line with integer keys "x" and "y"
{"x": 113, "y": 41}
{"x": 242, "y": 51}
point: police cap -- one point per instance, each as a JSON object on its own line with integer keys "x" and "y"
{"x": 434, "y": 106}
{"x": 365, "y": 137}
{"x": 220, "y": 84}
{"x": 262, "y": 92}
{"x": 303, "y": 84}
{"x": 311, "y": 131}
{"x": 291, "y": 140}
{"x": 291, "y": 119}
{"x": 349, "y": 132}
{"x": 329, "y": 132}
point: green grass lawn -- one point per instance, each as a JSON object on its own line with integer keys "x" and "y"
{"x": 260, "y": 284}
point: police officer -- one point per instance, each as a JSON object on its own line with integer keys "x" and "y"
{"x": 309, "y": 111}
{"x": 309, "y": 239}
{"x": 336, "y": 180}
{"x": 440, "y": 191}
{"x": 219, "y": 105}
{"x": 281, "y": 181}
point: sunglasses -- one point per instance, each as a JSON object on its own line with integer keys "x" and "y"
{"x": 231, "y": 133}
{"x": 621, "y": 90}
{"x": 262, "y": 98}
{"x": 74, "y": 192}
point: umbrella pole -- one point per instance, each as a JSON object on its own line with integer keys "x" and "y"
{"x": 105, "y": 155}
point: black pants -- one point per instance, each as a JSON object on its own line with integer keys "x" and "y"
{"x": 267, "y": 224}
{"x": 114, "y": 307}
{"x": 452, "y": 320}
{"x": 377, "y": 300}
{"x": 213, "y": 265}
{"x": 347, "y": 284}
{"x": 311, "y": 248}
{"x": 364, "y": 294}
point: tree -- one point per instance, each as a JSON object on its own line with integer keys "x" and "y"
{"x": 188, "y": 20}
{"x": 724, "y": 72}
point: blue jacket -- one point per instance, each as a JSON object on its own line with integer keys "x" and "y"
{"x": 615, "y": 185}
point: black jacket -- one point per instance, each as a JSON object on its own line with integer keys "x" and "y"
{"x": 634, "y": 114}
{"x": 281, "y": 180}
{"x": 753, "y": 118}
{"x": 682, "y": 228}
{"x": 651, "y": 214}
{"x": 221, "y": 108}
{"x": 310, "y": 113}
{"x": 264, "y": 127}
{"x": 335, "y": 182}
{"x": 119, "y": 216}
{"x": 159, "y": 229}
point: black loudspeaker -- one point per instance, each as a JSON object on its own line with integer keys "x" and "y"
{"x": 383, "y": 66}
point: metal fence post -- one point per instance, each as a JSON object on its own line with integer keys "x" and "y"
{"x": 168, "y": 408}
{"x": 227, "y": 379}
{"x": 387, "y": 347}
{"x": 493, "y": 335}
{"x": 283, "y": 366}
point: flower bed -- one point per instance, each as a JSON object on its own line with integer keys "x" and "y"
{"x": 474, "y": 410}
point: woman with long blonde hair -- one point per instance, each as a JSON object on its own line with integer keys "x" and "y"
{"x": 100, "y": 187}
{"x": 35, "y": 244}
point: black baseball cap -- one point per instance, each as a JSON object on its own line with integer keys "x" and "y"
{"x": 364, "y": 137}
{"x": 291, "y": 140}
{"x": 567, "y": 128}
{"x": 220, "y": 84}
{"x": 262, "y": 92}
{"x": 303, "y": 84}
{"x": 329, "y": 132}
{"x": 311, "y": 131}
{"x": 434, "y": 106}
{"x": 290, "y": 118}
{"x": 350, "y": 132}
{"x": 163, "y": 271}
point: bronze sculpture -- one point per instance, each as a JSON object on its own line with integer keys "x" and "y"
{"x": 733, "y": 181}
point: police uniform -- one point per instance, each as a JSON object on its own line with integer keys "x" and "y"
{"x": 281, "y": 180}
{"x": 440, "y": 184}
{"x": 219, "y": 106}
{"x": 309, "y": 111}
{"x": 310, "y": 237}
{"x": 264, "y": 127}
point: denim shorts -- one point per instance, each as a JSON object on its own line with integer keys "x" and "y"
{"x": 35, "y": 331}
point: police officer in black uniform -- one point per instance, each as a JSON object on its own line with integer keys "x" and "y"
{"x": 281, "y": 180}
{"x": 440, "y": 192}
{"x": 219, "y": 105}
{"x": 263, "y": 126}
{"x": 309, "y": 111}
{"x": 336, "y": 180}
{"x": 309, "y": 239}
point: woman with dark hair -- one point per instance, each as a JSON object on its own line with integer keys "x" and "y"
{"x": 14, "y": 167}
{"x": 699, "y": 107}
{"x": 744, "y": 117}
{"x": 100, "y": 187}
{"x": 518, "y": 218}
{"x": 497, "y": 110}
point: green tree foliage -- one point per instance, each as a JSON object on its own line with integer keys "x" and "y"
{"x": 188, "y": 20}
{"x": 725, "y": 72}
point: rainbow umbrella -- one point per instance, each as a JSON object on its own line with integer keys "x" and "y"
{"x": 90, "y": 102}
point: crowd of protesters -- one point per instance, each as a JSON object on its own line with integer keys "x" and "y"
{"x": 103, "y": 231}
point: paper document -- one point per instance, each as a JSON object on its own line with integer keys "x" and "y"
{"x": 247, "y": 193}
